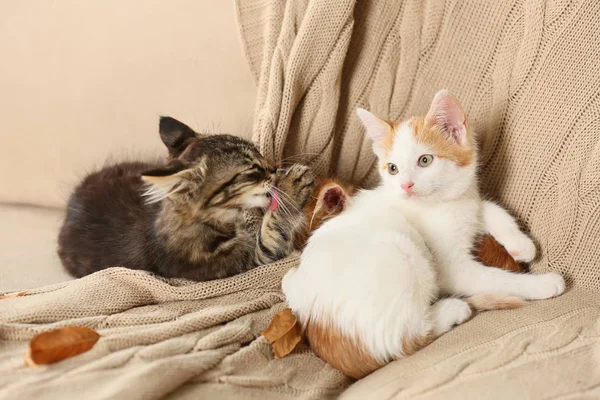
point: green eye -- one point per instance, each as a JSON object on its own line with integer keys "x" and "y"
{"x": 425, "y": 160}
{"x": 392, "y": 169}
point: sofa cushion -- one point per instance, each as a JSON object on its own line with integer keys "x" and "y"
{"x": 525, "y": 72}
{"x": 82, "y": 81}
{"x": 28, "y": 258}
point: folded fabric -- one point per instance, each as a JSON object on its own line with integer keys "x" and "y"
{"x": 157, "y": 336}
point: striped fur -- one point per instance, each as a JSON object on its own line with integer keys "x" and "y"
{"x": 203, "y": 215}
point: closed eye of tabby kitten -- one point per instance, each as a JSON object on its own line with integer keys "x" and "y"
{"x": 216, "y": 209}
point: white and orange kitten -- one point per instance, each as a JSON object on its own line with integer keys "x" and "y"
{"x": 367, "y": 287}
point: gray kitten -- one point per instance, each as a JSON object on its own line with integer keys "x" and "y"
{"x": 216, "y": 209}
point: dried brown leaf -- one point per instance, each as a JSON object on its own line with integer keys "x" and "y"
{"x": 283, "y": 333}
{"x": 59, "y": 344}
{"x": 15, "y": 294}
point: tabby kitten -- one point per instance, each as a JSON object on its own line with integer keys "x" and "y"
{"x": 216, "y": 209}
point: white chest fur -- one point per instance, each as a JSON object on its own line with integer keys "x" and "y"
{"x": 448, "y": 227}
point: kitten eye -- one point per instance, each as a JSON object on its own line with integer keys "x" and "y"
{"x": 392, "y": 169}
{"x": 254, "y": 176}
{"x": 425, "y": 160}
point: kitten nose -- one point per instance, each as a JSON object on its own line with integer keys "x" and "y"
{"x": 407, "y": 186}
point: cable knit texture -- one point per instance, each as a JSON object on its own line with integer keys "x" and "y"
{"x": 526, "y": 72}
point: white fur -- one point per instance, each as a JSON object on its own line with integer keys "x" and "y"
{"x": 346, "y": 271}
{"x": 375, "y": 270}
{"x": 503, "y": 227}
{"x": 159, "y": 188}
{"x": 255, "y": 197}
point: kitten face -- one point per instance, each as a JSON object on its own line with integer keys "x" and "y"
{"x": 229, "y": 172}
{"x": 421, "y": 172}
{"x": 210, "y": 172}
{"x": 429, "y": 158}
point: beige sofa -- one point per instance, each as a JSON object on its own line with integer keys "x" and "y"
{"x": 87, "y": 81}
{"x": 82, "y": 82}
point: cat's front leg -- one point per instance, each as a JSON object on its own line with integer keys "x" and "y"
{"x": 285, "y": 217}
{"x": 503, "y": 227}
{"x": 466, "y": 277}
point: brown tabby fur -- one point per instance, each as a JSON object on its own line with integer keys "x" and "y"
{"x": 204, "y": 215}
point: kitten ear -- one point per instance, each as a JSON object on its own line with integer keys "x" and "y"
{"x": 447, "y": 114}
{"x": 332, "y": 199}
{"x": 175, "y": 135}
{"x": 163, "y": 182}
{"x": 377, "y": 129}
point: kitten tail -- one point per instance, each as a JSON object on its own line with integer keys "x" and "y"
{"x": 487, "y": 302}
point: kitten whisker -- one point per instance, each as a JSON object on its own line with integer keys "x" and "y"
{"x": 284, "y": 207}
{"x": 190, "y": 231}
{"x": 283, "y": 195}
{"x": 314, "y": 214}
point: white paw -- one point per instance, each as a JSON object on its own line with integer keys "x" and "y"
{"x": 454, "y": 312}
{"x": 547, "y": 285}
{"x": 462, "y": 312}
{"x": 520, "y": 247}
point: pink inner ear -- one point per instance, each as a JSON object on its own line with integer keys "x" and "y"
{"x": 448, "y": 115}
{"x": 334, "y": 199}
{"x": 456, "y": 132}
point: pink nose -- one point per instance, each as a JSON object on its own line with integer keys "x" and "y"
{"x": 407, "y": 186}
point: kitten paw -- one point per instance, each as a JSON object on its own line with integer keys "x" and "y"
{"x": 460, "y": 311}
{"x": 449, "y": 313}
{"x": 547, "y": 285}
{"x": 296, "y": 183}
{"x": 521, "y": 247}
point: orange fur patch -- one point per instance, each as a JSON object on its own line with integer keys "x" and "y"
{"x": 347, "y": 354}
{"x": 411, "y": 345}
{"x": 388, "y": 141}
{"x": 486, "y": 302}
{"x": 341, "y": 352}
{"x": 315, "y": 214}
{"x": 489, "y": 252}
{"x": 436, "y": 140}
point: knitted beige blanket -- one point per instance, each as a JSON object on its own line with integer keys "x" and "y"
{"x": 527, "y": 75}
{"x": 160, "y": 337}
{"x": 525, "y": 72}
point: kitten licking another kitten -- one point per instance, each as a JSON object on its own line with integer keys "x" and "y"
{"x": 216, "y": 209}
{"x": 367, "y": 288}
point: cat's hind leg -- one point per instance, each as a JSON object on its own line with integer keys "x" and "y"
{"x": 467, "y": 277}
